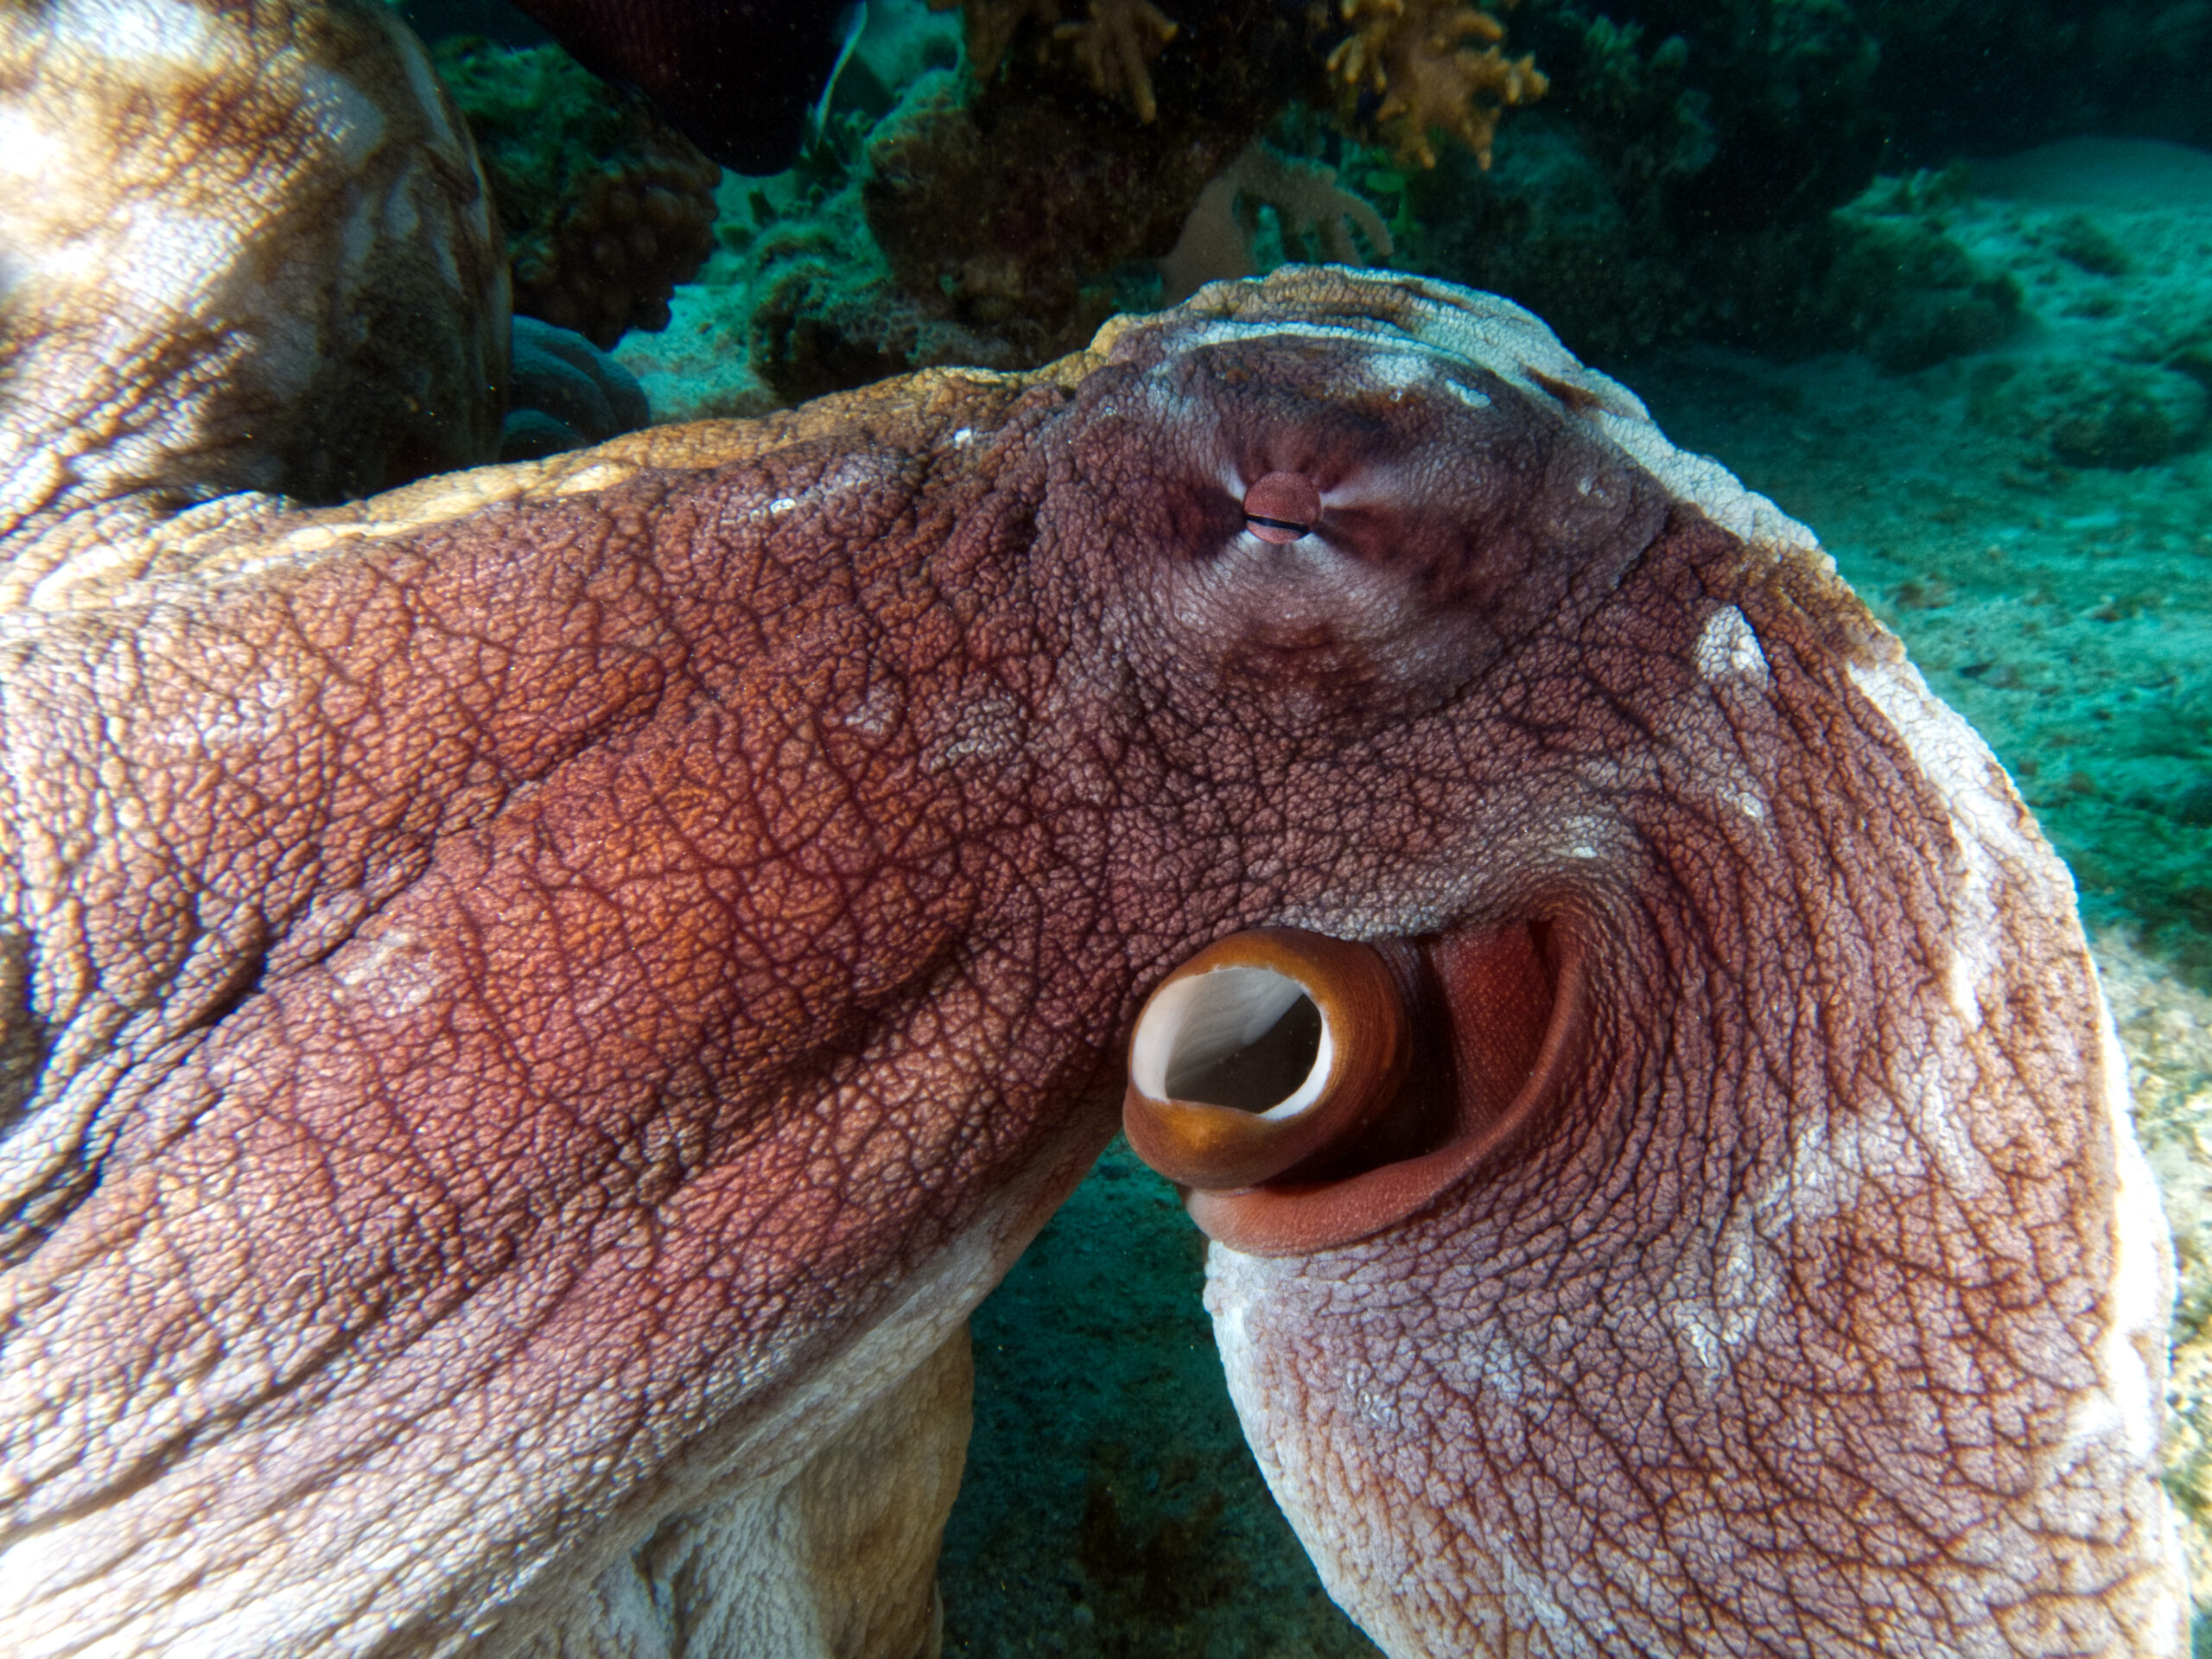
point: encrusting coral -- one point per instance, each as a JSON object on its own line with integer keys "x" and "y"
{"x": 1410, "y": 53}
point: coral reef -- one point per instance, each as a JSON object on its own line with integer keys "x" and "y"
{"x": 1548, "y": 227}
{"x": 613, "y": 258}
{"x": 1689, "y": 177}
{"x": 1723, "y": 115}
{"x": 814, "y": 330}
{"x": 1900, "y": 288}
{"x": 1317, "y": 219}
{"x": 1012, "y": 225}
{"x": 1787, "y": 89}
{"x": 825, "y": 312}
{"x": 1551, "y": 228}
{"x": 1409, "y": 54}
{"x": 2090, "y": 413}
{"x": 1016, "y": 200}
{"x": 1114, "y": 45}
{"x": 606, "y": 207}
{"x": 798, "y": 299}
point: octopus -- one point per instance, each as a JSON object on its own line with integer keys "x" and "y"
{"x": 534, "y": 1002}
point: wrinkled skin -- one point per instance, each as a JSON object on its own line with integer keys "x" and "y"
{"x": 534, "y": 973}
{"x": 531, "y": 1008}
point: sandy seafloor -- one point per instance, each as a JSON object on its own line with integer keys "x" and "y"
{"x": 1110, "y": 1507}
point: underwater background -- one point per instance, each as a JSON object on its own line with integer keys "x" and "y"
{"x": 1937, "y": 277}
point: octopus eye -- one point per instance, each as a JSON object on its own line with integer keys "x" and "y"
{"x": 1281, "y": 506}
{"x": 1263, "y": 1050}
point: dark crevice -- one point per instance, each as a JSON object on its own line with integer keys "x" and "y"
{"x": 23, "y": 1045}
{"x": 243, "y": 981}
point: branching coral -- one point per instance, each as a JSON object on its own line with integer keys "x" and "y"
{"x": 1317, "y": 216}
{"x": 1122, "y": 37}
{"x": 1411, "y": 54}
{"x": 1113, "y": 47}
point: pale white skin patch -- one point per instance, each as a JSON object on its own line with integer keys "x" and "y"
{"x": 1728, "y": 649}
{"x": 139, "y": 34}
{"x": 2132, "y": 1356}
{"x": 1986, "y": 826}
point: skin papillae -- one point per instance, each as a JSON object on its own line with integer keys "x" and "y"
{"x": 533, "y": 1005}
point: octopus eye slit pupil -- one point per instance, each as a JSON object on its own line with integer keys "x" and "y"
{"x": 1281, "y": 507}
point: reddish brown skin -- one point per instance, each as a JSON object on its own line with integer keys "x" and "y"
{"x": 1909, "y": 1388}
{"x": 660, "y": 919}
{"x": 743, "y": 1010}
{"x": 715, "y": 972}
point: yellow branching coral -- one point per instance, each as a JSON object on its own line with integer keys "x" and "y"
{"x": 1412, "y": 53}
{"x": 1122, "y": 37}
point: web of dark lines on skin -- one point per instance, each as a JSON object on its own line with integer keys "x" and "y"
{"x": 1660, "y": 1057}
{"x": 1695, "y": 893}
{"x": 492, "y": 811}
